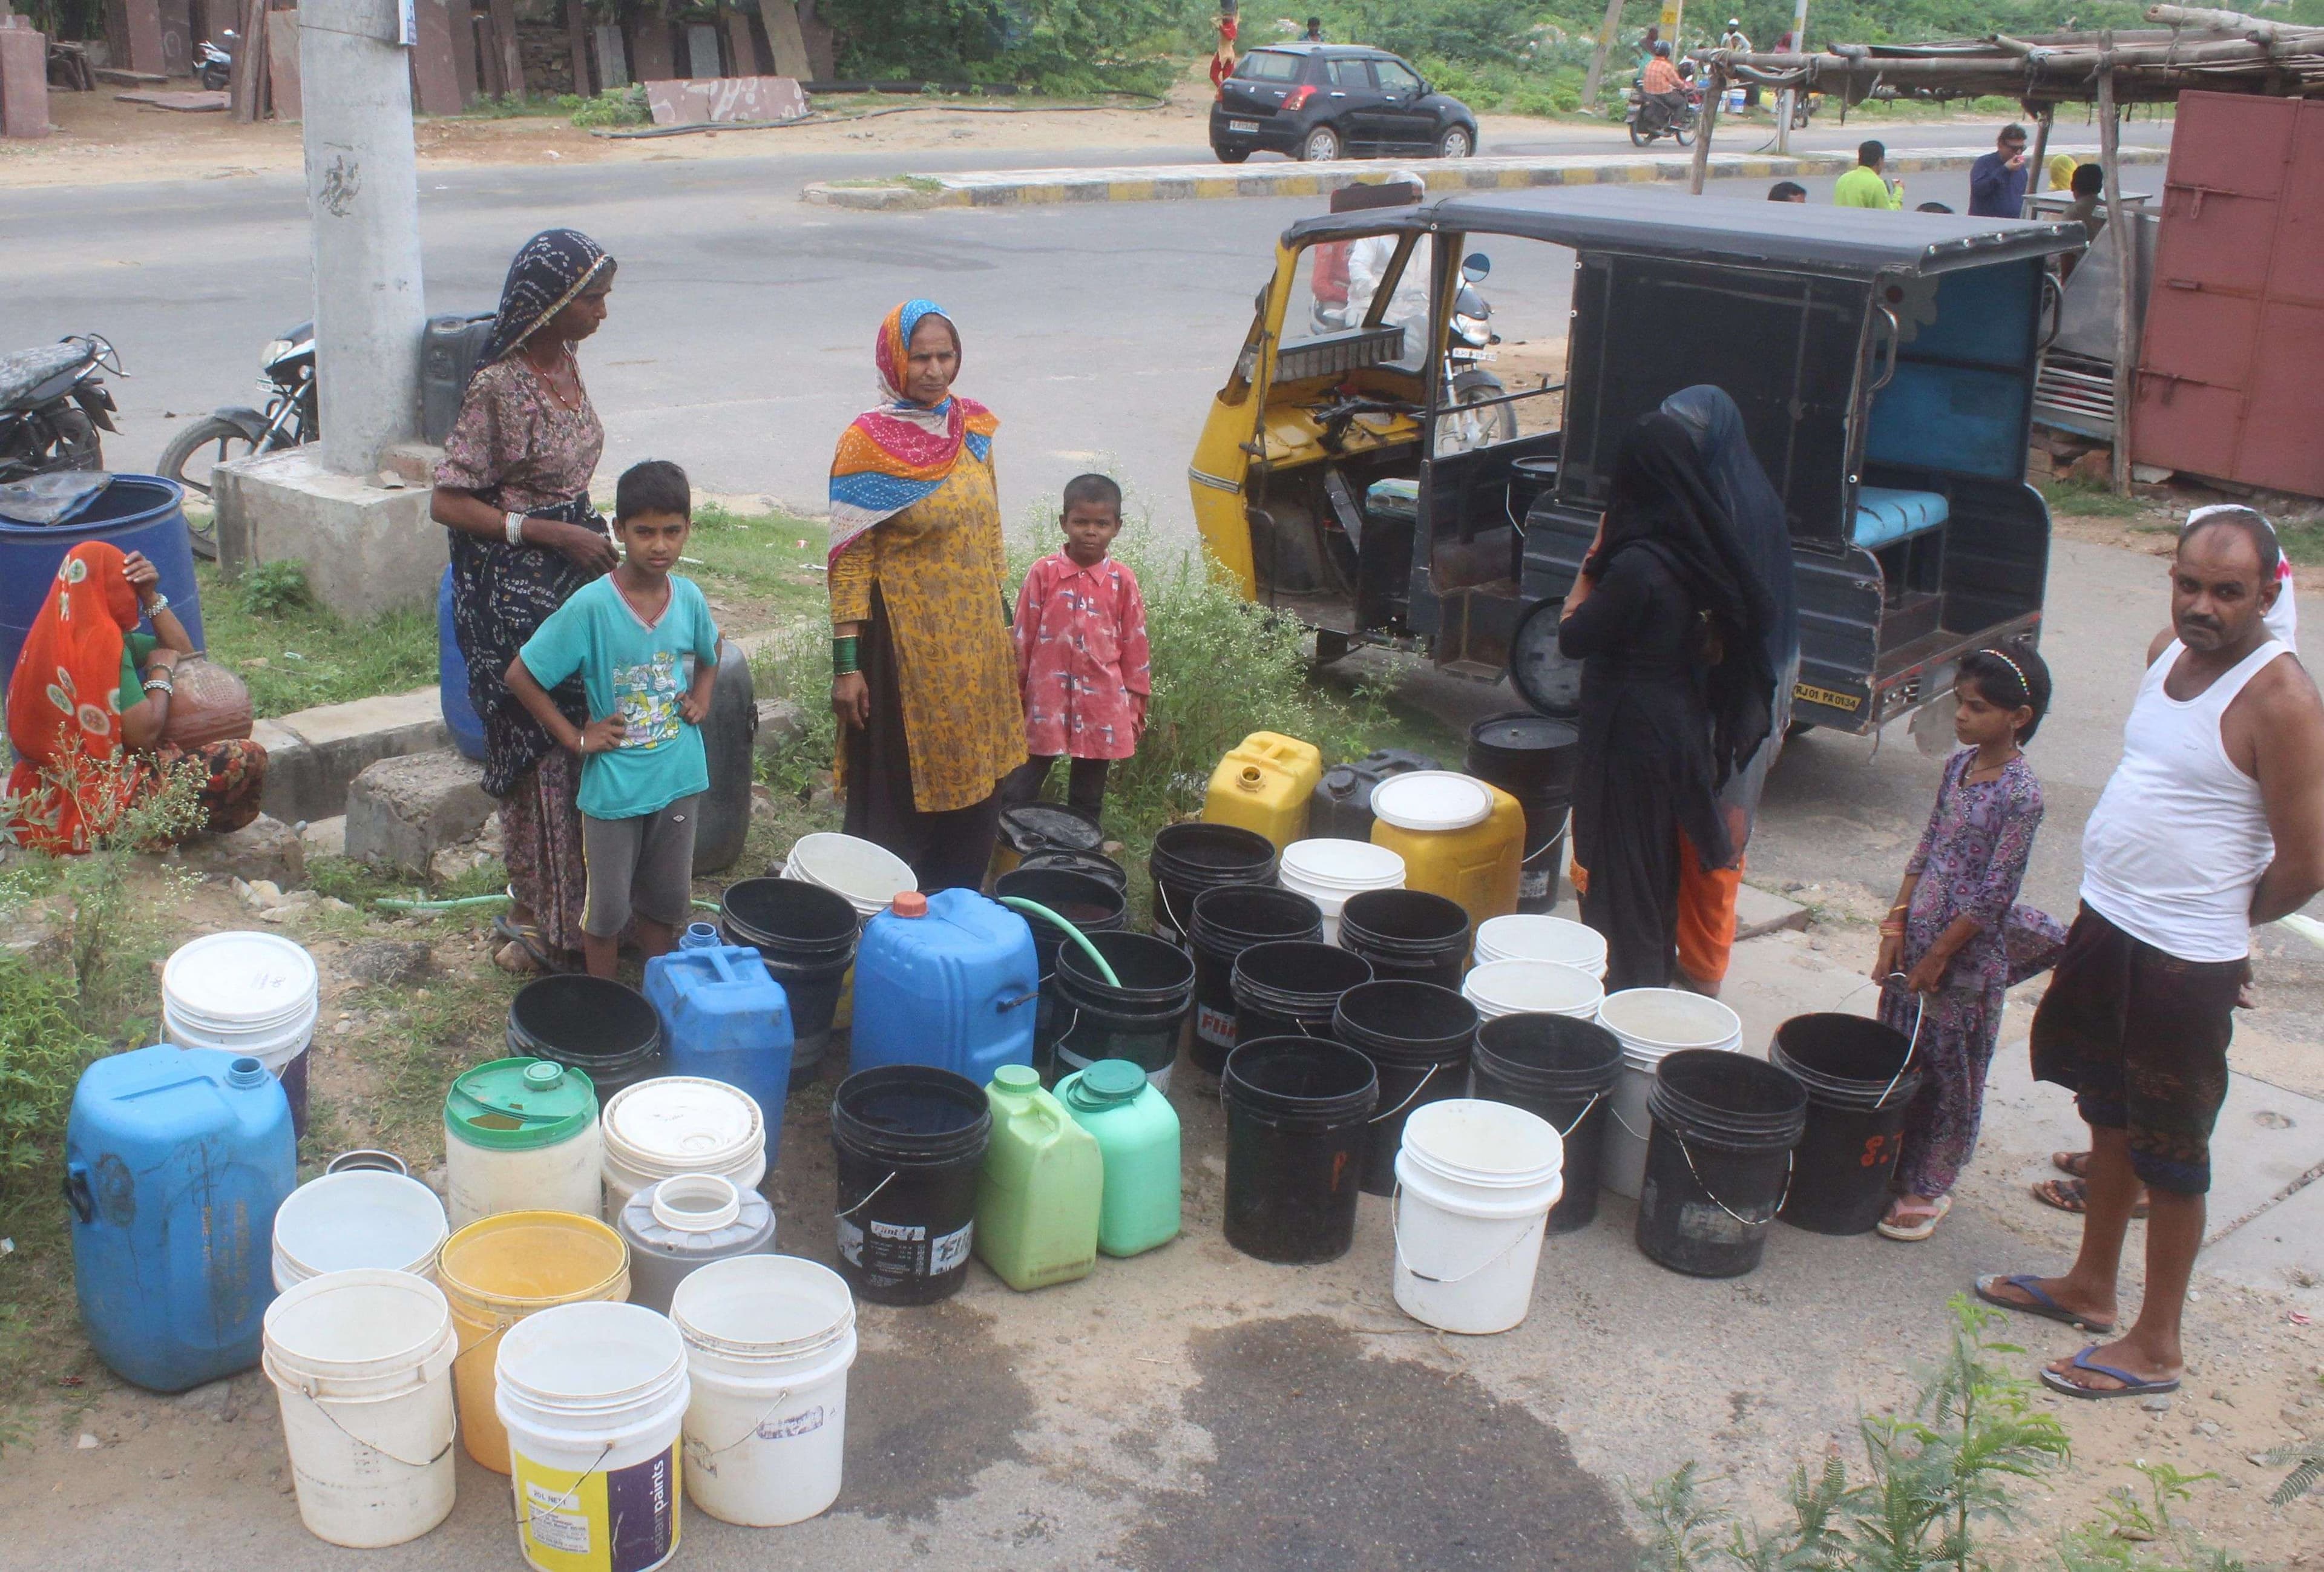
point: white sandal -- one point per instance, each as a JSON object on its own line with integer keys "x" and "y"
{"x": 1914, "y": 1232}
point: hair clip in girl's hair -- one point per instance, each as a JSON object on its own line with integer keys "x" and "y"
{"x": 2014, "y": 666}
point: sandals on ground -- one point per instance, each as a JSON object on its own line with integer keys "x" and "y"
{"x": 1914, "y": 1232}
{"x": 2073, "y": 1194}
{"x": 2037, "y": 1301}
{"x": 2132, "y": 1385}
{"x": 527, "y": 938}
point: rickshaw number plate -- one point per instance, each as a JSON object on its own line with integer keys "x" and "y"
{"x": 1826, "y": 695}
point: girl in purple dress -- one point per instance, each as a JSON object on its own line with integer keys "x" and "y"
{"x": 1946, "y": 947}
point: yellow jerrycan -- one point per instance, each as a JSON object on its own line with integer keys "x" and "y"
{"x": 1263, "y": 784}
{"x": 1460, "y": 838}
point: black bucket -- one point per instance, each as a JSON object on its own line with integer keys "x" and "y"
{"x": 1856, "y": 1071}
{"x": 1227, "y": 922}
{"x": 1532, "y": 758}
{"x": 1296, "y": 1108}
{"x": 1292, "y": 988}
{"x": 1418, "y": 1036}
{"x": 1563, "y": 1070}
{"x": 601, "y": 1027}
{"x": 806, "y": 935}
{"x": 1407, "y": 935}
{"x": 1096, "y": 864}
{"x": 1139, "y": 1017}
{"x": 1049, "y": 827}
{"x": 910, "y": 1143}
{"x": 1718, "y": 1160}
{"x": 1088, "y": 904}
{"x": 1190, "y": 858}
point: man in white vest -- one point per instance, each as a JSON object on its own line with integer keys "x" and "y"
{"x": 2212, "y": 822}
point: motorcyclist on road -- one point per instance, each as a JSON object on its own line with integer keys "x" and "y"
{"x": 1664, "y": 93}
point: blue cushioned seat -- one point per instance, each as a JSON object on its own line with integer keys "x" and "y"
{"x": 1885, "y": 516}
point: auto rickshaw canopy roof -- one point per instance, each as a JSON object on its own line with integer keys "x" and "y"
{"x": 1845, "y": 242}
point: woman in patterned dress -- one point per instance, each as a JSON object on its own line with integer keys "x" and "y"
{"x": 923, "y": 670}
{"x": 513, "y": 492}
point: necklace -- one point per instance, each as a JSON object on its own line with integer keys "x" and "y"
{"x": 548, "y": 374}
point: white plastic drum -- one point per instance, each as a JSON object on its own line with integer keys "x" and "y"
{"x": 359, "y": 1218}
{"x": 1475, "y": 1182}
{"x": 361, "y": 1365}
{"x": 770, "y": 1339}
{"x": 239, "y": 992}
{"x": 1651, "y": 1022}
{"x": 1498, "y": 988}
{"x": 1328, "y": 870}
{"x": 1528, "y": 936}
{"x": 675, "y": 1125}
{"x": 593, "y": 1397}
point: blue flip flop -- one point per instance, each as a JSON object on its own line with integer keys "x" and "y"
{"x": 2043, "y": 1304}
{"x": 2132, "y": 1385}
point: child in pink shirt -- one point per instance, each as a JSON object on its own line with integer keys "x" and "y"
{"x": 1081, "y": 653}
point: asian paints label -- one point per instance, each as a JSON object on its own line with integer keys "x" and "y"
{"x": 902, "y": 1252}
{"x": 611, "y": 1520}
{"x": 1215, "y": 1026}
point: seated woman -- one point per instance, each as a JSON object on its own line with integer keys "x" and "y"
{"x": 87, "y": 705}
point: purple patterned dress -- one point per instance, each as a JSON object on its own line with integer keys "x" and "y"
{"x": 1971, "y": 862}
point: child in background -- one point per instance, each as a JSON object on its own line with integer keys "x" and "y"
{"x": 645, "y": 646}
{"x": 1950, "y": 932}
{"x": 1081, "y": 653}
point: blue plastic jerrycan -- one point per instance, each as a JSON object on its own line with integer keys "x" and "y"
{"x": 175, "y": 1162}
{"x": 725, "y": 1018}
{"x": 947, "y": 980}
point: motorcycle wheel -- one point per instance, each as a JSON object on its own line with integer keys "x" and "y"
{"x": 1495, "y": 425}
{"x": 78, "y": 445}
{"x": 1638, "y": 138}
{"x": 1682, "y": 134}
{"x": 201, "y": 447}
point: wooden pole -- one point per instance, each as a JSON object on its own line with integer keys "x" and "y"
{"x": 2125, "y": 248}
{"x": 2034, "y": 174}
{"x": 1607, "y": 38}
{"x": 1711, "y": 97}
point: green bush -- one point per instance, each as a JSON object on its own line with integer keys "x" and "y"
{"x": 42, "y": 1051}
{"x": 274, "y": 589}
{"x": 613, "y": 106}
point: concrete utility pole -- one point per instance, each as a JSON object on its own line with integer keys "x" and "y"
{"x": 363, "y": 201}
{"x": 1608, "y": 37}
{"x": 1790, "y": 97}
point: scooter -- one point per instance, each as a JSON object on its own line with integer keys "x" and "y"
{"x": 237, "y": 432}
{"x": 52, "y": 405}
{"x": 1467, "y": 351}
{"x": 213, "y": 66}
{"x": 1650, "y": 118}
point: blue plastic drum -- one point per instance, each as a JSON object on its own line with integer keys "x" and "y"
{"x": 460, "y": 717}
{"x": 137, "y": 512}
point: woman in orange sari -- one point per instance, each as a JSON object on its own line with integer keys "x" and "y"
{"x": 88, "y": 702}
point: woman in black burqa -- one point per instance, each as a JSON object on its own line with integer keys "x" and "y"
{"x": 1669, "y": 618}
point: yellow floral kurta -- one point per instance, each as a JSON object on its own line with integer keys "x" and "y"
{"x": 938, "y": 565}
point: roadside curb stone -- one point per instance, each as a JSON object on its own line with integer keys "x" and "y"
{"x": 401, "y": 811}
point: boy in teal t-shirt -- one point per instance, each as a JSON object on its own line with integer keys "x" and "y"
{"x": 646, "y": 647}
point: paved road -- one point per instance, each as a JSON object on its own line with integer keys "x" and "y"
{"x": 738, "y": 340}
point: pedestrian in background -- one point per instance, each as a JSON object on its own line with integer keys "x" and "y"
{"x": 1997, "y": 181}
{"x": 1081, "y": 653}
{"x": 1865, "y": 186}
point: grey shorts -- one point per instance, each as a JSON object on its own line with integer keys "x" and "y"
{"x": 643, "y": 865}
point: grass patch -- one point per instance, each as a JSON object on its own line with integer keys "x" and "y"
{"x": 2302, "y": 542}
{"x": 757, "y": 570}
{"x": 927, "y": 185}
{"x": 2081, "y": 499}
{"x": 296, "y": 654}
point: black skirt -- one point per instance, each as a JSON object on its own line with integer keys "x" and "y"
{"x": 945, "y": 850}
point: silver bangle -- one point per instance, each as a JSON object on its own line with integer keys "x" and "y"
{"x": 515, "y": 523}
{"x": 160, "y": 685}
{"x": 158, "y": 604}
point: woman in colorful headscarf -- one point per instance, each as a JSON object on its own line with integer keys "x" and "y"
{"x": 514, "y": 491}
{"x": 924, "y": 673}
{"x": 90, "y": 700}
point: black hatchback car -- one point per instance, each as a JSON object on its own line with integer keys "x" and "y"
{"x": 1330, "y": 100}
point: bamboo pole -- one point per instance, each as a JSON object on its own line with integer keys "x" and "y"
{"x": 2125, "y": 250}
{"x": 1711, "y": 98}
{"x": 2034, "y": 175}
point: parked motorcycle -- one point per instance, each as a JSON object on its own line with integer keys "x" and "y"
{"x": 1467, "y": 351}
{"x": 52, "y": 405}
{"x": 1650, "y": 117}
{"x": 237, "y": 432}
{"x": 212, "y": 65}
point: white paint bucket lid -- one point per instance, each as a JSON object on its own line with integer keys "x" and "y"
{"x": 598, "y": 1361}
{"x": 1493, "y": 1145}
{"x": 763, "y": 1309}
{"x": 1527, "y": 936}
{"x": 1332, "y": 864}
{"x": 239, "y": 981}
{"x": 1654, "y": 1021}
{"x": 682, "y": 1124}
{"x": 275, "y": 1045}
{"x": 1432, "y": 801}
{"x": 869, "y": 876}
{"x": 1532, "y": 988}
{"x": 367, "y": 1332}
{"x": 361, "y": 1218}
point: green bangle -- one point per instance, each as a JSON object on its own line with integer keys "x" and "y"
{"x": 843, "y": 656}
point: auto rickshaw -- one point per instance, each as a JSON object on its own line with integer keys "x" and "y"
{"x": 1884, "y": 363}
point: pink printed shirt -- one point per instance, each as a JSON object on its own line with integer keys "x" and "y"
{"x": 1082, "y": 659}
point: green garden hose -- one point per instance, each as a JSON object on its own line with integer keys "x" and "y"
{"x": 1105, "y": 968}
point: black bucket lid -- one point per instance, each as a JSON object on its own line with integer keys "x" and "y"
{"x": 1039, "y": 826}
{"x": 1524, "y": 737}
{"x": 1543, "y": 676}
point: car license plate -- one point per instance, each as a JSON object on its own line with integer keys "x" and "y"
{"x": 1248, "y": 127}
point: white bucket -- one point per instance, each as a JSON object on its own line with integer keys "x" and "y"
{"x": 769, "y": 1340}
{"x": 1526, "y": 936}
{"x": 1498, "y": 988}
{"x": 361, "y": 1365}
{"x": 869, "y": 876}
{"x": 359, "y": 1218}
{"x": 675, "y": 1125}
{"x": 1328, "y": 870}
{"x": 1475, "y": 1181}
{"x": 1650, "y": 1023}
{"x": 593, "y": 1397}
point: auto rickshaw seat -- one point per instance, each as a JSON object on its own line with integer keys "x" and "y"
{"x": 1886, "y": 515}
